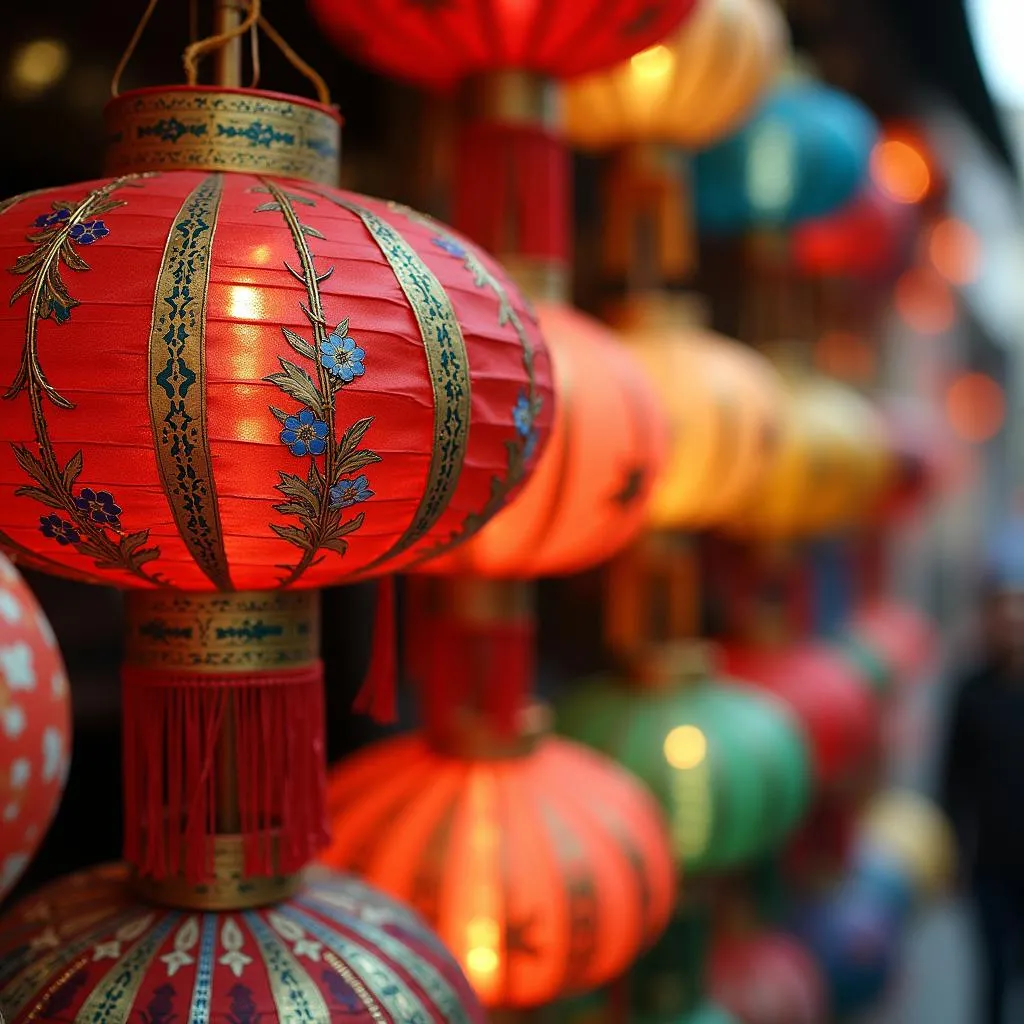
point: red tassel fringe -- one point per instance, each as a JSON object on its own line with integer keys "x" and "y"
{"x": 174, "y": 726}
{"x": 377, "y": 697}
{"x": 513, "y": 179}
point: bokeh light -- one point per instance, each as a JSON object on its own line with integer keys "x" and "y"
{"x": 955, "y": 251}
{"x": 37, "y": 66}
{"x": 976, "y": 407}
{"x": 924, "y": 301}
{"x": 685, "y": 747}
{"x": 900, "y": 169}
{"x": 845, "y": 355}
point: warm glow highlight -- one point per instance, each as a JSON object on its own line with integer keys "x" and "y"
{"x": 685, "y": 747}
{"x": 654, "y": 62}
{"x": 243, "y": 302}
{"x": 955, "y": 251}
{"x": 976, "y": 407}
{"x": 900, "y": 170}
{"x": 924, "y": 301}
{"x": 37, "y": 66}
{"x": 482, "y": 937}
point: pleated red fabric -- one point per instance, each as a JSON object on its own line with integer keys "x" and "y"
{"x": 230, "y": 381}
{"x": 439, "y": 42}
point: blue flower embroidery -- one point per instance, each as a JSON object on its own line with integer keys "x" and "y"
{"x": 304, "y": 434}
{"x": 51, "y": 220}
{"x": 60, "y": 530}
{"x": 450, "y": 246}
{"x": 530, "y": 446}
{"x": 88, "y": 232}
{"x": 350, "y": 492}
{"x": 342, "y": 357}
{"x": 100, "y": 507}
{"x": 522, "y": 415}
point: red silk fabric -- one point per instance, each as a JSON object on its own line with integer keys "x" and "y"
{"x": 437, "y": 45}
{"x": 512, "y": 190}
{"x": 546, "y": 875}
{"x": 98, "y": 355}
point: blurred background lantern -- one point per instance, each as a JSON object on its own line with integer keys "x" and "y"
{"x": 829, "y": 470}
{"x": 728, "y": 764}
{"x": 766, "y": 978}
{"x": 545, "y": 868}
{"x": 438, "y": 46}
{"x": 803, "y": 154}
{"x": 35, "y": 726}
{"x": 341, "y": 951}
{"x": 855, "y": 940}
{"x": 589, "y": 493}
{"x": 909, "y": 830}
{"x": 689, "y": 89}
{"x": 838, "y": 714}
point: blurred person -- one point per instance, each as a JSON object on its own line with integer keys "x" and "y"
{"x": 983, "y": 771}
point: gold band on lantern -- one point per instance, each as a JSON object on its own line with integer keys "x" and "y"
{"x": 539, "y": 280}
{"x": 470, "y": 736}
{"x": 514, "y": 97}
{"x": 196, "y": 128}
{"x": 230, "y": 888}
{"x": 243, "y": 631}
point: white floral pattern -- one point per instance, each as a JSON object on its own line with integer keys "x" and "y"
{"x": 34, "y": 725}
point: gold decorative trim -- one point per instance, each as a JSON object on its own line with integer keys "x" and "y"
{"x": 514, "y": 97}
{"x": 241, "y": 632}
{"x": 470, "y": 736}
{"x": 230, "y": 889}
{"x": 197, "y": 128}
{"x": 539, "y": 280}
{"x": 177, "y": 380}
{"x": 448, "y": 365}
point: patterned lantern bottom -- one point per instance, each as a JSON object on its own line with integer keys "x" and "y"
{"x": 84, "y": 948}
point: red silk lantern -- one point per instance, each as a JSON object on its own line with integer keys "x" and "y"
{"x": 439, "y": 44}
{"x": 766, "y": 979}
{"x": 899, "y": 634}
{"x": 35, "y": 726}
{"x": 841, "y": 718}
{"x": 84, "y": 945}
{"x": 295, "y": 386}
{"x": 867, "y": 238}
{"x": 544, "y": 867}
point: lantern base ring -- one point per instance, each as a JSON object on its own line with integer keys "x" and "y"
{"x": 229, "y": 888}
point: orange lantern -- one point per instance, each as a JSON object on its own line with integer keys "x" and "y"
{"x": 544, "y": 867}
{"x": 587, "y": 498}
{"x": 689, "y": 90}
{"x": 724, "y": 403}
{"x": 830, "y": 469}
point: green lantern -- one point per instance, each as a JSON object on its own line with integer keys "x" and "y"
{"x": 728, "y": 762}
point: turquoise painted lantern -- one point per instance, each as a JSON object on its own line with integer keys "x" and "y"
{"x": 804, "y": 154}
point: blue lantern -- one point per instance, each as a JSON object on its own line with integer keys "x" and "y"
{"x": 803, "y": 154}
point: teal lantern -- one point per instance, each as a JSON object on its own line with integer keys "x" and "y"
{"x": 804, "y": 154}
{"x": 727, "y": 762}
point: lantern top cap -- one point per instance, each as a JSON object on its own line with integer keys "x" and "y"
{"x": 214, "y": 128}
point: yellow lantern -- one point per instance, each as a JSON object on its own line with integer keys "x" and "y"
{"x": 830, "y": 468}
{"x": 724, "y": 403}
{"x": 690, "y": 90}
{"x": 912, "y": 831}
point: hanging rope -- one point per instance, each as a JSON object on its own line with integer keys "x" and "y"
{"x": 252, "y": 24}
{"x": 195, "y": 52}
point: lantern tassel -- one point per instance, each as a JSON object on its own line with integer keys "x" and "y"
{"x": 377, "y": 697}
{"x": 207, "y": 755}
